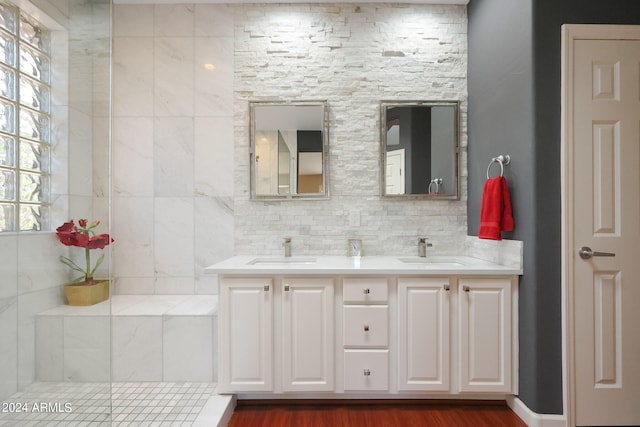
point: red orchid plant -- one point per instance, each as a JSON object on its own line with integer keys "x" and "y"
{"x": 83, "y": 236}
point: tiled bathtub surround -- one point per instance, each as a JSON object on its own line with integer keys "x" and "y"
{"x": 181, "y": 141}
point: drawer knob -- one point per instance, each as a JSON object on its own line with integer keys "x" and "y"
{"x": 447, "y": 288}
{"x": 367, "y": 291}
{"x": 367, "y": 373}
{"x": 286, "y": 288}
{"x": 266, "y": 288}
{"x": 366, "y": 328}
{"x": 466, "y": 288}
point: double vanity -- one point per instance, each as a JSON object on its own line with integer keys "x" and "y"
{"x": 374, "y": 326}
{"x": 379, "y": 326}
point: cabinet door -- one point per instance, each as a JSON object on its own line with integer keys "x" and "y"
{"x": 307, "y": 334}
{"x": 423, "y": 348}
{"x": 246, "y": 334}
{"x": 485, "y": 335}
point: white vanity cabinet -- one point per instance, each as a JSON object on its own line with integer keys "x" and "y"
{"x": 338, "y": 327}
{"x": 423, "y": 334}
{"x": 485, "y": 328}
{"x": 276, "y": 334}
{"x": 246, "y": 334}
{"x": 308, "y": 334}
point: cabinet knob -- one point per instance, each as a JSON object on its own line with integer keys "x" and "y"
{"x": 286, "y": 288}
{"x": 366, "y": 291}
{"x": 366, "y": 328}
{"x": 266, "y": 288}
{"x": 367, "y": 373}
{"x": 465, "y": 288}
{"x": 446, "y": 287}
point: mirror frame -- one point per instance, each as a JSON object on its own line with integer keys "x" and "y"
{"x": 384, "y": 106}
{"x": 325, "y": 150}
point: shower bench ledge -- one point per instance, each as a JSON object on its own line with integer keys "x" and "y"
{"x": 129, "y": 338}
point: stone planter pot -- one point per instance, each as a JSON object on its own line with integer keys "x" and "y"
{"x": 80, "y": 294}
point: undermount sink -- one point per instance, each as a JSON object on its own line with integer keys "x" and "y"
{"x": 435, "y": 262}
{"x": 282, "y": 260}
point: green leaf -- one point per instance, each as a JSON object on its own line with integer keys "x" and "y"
{"x": 79, "y": 279}
{"x": 98, "y": 262}
{"x": 66, "y": 261}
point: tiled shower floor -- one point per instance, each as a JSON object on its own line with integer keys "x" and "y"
{"x": 101, "y": 405}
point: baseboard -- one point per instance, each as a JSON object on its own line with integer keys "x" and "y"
{"x": 533, "y": 419}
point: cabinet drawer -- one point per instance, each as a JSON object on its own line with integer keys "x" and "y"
{"x": 366, "y": 326}
{"x": 365, "y": 290}
{"x": 366, "y": 370}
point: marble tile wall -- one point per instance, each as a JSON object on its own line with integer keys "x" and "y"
{"x": 180, "y": 159}
{"x": 151, "y": 338}
{"x": 505, "y": 252}
{"x": 173, "y": 146}
{"x": 31, "y": 276}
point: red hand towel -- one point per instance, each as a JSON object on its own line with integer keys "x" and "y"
{"x": 507, "y": 223}
{"x": 495, "y": 213}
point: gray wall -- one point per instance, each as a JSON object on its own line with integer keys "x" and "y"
{"x": 514, "y": 108}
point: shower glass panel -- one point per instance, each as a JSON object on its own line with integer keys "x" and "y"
{"x": 55, "y": 67}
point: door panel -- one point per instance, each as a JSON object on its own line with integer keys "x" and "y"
{"x": 307, "y": 334}
{"x": 605, "y": 154}
{"x": 395, "y": 172}
{"x": 424, "y": 353}
{"x": 246, "y": 331}
{"x": 485, "y": 335}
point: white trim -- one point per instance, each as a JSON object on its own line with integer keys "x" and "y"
{"x": 533, "y": 419}
{"x": 566, "y": 230}
{"x": 570, "y": 33}
{"x": 52, "y": 19}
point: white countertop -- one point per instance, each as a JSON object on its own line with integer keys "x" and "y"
{"x": 342, "y": 265}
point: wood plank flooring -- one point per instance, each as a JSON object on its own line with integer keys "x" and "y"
{"x": 371, "y": 413}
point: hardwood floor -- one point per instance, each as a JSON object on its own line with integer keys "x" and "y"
{"x": 371, "y": 413}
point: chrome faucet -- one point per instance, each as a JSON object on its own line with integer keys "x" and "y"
{"x": 422, "y": 246}
{"x": 287, "y": 246}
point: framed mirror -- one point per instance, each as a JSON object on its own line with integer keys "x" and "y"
{"x": 419, "y": 149}
{"x": 289, "y": 150}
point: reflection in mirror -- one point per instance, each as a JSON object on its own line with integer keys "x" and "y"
{"x": 419, "y": 149}
{"x": 288, "y": 150}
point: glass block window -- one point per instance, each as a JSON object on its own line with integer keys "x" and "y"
{"x": 25, "y": 122}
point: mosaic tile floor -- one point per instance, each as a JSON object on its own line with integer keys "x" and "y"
{"x": 99, "y": 405}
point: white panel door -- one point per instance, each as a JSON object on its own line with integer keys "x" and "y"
{"x": 308, "y": 334}
{"x": 266, "y": 159}
{"x": 485, "y": 335}
{"x": 394, "y": 175}
{"x": 605, "y": 155}
{"x": 423, "y": 334}
{"x": 245, "y": 334}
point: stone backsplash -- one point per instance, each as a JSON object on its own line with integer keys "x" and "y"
{"x": 352, "y": 56}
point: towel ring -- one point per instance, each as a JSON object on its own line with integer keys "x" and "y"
{"x": 435, "y": 182}
{"x": 502, "y": 160}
